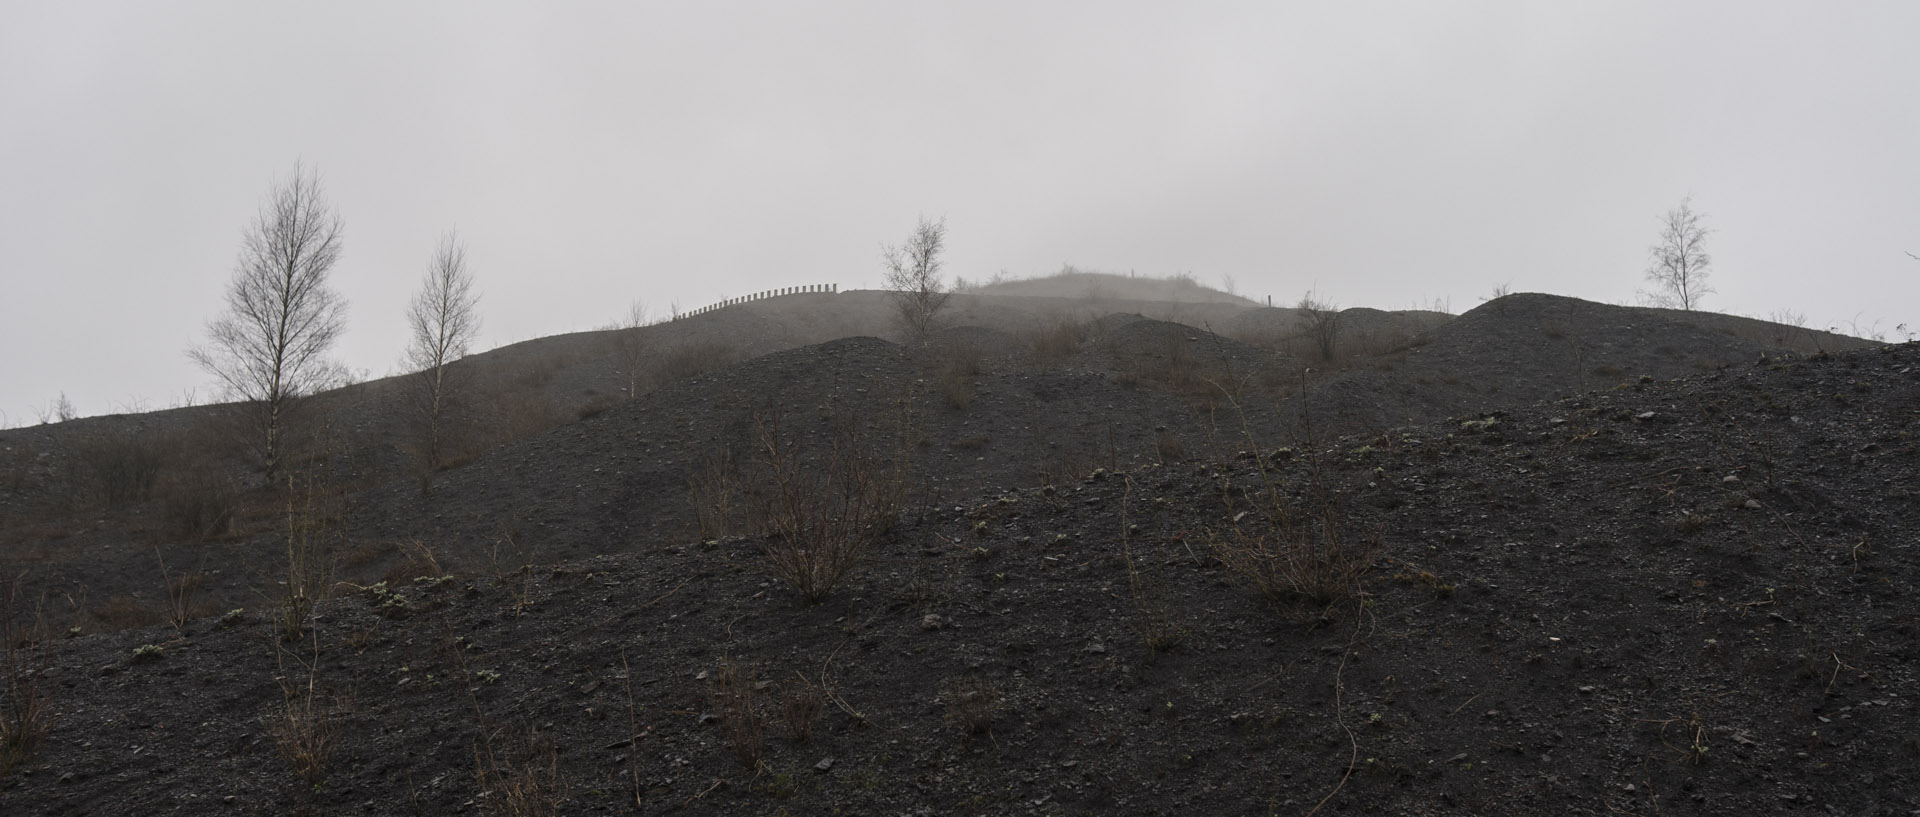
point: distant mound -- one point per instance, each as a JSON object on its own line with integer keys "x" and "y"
{"x": 1101, "y": 286}
{"x": 1182, "y": 359}
{"x": 1526, "y": 348}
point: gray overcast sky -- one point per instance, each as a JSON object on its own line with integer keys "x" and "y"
{"x": 679, "y": 152}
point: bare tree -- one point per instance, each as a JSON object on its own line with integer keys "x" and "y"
{"x": 443, "y": 319}
{"x": 269, "y": 349}
{"x": 1323, "y": 324}
{"x": 913, "y": 276}
{"x": 1680, "y": 260}
{"x": 632, "y": 346}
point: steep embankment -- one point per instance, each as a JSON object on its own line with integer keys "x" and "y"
{"x": 1692, "y": 596}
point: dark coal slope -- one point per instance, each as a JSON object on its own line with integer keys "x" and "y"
{"x": 1524, "y": 348}
{"x": 1698, "y": 594}
{"x": 1180, "y": 356}
{"x": 621, "y": 477}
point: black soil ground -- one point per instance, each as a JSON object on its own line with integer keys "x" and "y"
{"x": 1691, "y": 592}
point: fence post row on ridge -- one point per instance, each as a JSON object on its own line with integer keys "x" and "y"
{"x": 830, "y": 289}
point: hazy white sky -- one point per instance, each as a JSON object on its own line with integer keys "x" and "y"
{"x": 680, "y": 152}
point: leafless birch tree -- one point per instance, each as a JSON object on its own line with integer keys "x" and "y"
{"x": 913, "y": 277}
{"x": 1680, "y": 260}
{"x": 443, "y": 319}
{"x": 632, "y": 346}
{"x": 269, "y": 348}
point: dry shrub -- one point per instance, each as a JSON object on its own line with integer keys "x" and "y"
{"x": 694, "y": 359}
{"x": 200, "y": 505}
{"x": 1310, "y": 558}
{"x": 524, "y": 414}
{"x": 962, "y": 357}
{"x": 315, "y": 534}
{"x": 305, "y": 731}
{"x": 416, "y": 561}
{"x": 1321, "y": 321}
{"x": 731, "y": 692}
{"x": 802, "y": 708}
{"x": 1058, "y": 339}
{"x": 125, "y": 466}
{"x": 1283, "y": 550}
{"x": 594, "y": 407}
{"x": 825, "y": 509}
{"x": 956, "y": 367}
{"x": 714, "y": 489}
{"x": 518, "y": 778}
{"x": 1173, "y": 365}
{"x": 183, "y": 595}
{"x": 26, "y": 708}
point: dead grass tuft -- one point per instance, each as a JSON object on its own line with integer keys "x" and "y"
{"x": 972, "y": 703}
{"x": 305, "y": 724}
{"x": 1155, "y": 618}
{"x": 520, "y": 777}
{"x": 26, "y": 707}
{"x": 183, "y": 591}
{"x": 731, "y": 691}
{"x": 802, "y": 708}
